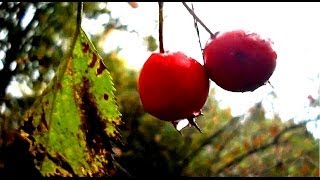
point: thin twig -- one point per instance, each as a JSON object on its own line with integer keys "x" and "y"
{"x": 270, "y": 84}
{"x": 197, "y": 29}
{"x": 161, "y": 26}
{"x": 213, "y": 35}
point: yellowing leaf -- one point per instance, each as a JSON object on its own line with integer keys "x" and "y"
{"x": 305, "y": 169}
{"x": 247, "y": 145}
{"x": 258, "y": 140}
{"x": 73, "y": 123}
{"x": 274, "y": 130}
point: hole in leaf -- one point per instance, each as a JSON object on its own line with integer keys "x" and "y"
{"x": 105, "y": 96}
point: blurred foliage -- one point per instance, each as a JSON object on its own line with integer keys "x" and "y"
{"x": 151, "y": 43}
{"x": 248, "y": 145}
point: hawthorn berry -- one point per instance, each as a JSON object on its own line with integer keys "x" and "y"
{"x": 173, "y": 86}
{"x": 238, "y": 61}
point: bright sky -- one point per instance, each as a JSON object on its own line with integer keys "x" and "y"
{"x": 293, "y": 27}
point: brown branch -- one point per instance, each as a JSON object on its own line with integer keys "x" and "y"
{"x": 290, "y": 161}
{"x": 213, "y": 35}
{"x": 193, "y": 154}
{"x": 225, "y": 143}
{"x": 275, "y": 141}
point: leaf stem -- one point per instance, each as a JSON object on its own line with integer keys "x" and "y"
{"x": 68, "y": 55}
{"x": 161, "y": 26}
{"x": 78, "y": 24}
{"x": 213, "y": 35}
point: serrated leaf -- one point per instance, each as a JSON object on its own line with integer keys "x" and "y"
{"x": 72, "y": 123}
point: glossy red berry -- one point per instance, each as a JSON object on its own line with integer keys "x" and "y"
{"x": 237, "y": 61}
{"x": 173, "y": 86}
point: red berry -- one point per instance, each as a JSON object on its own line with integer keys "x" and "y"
{"x": 239, "y": 62}
{"x": 173, "y": 86}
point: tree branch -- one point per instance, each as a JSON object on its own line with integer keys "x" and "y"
{"x": 275, "y": 141}
{"x": 291, "y": 161}
{"x": 226, "y": 140}
{"x": 193, "y": 154}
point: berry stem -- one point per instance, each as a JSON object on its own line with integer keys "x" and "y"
{"x": 197, "y": 29}
{"x": 213, "y": 35}
{"x": 161, "y": 26}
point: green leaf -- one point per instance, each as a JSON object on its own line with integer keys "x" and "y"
{"x": 74, "y": 122}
